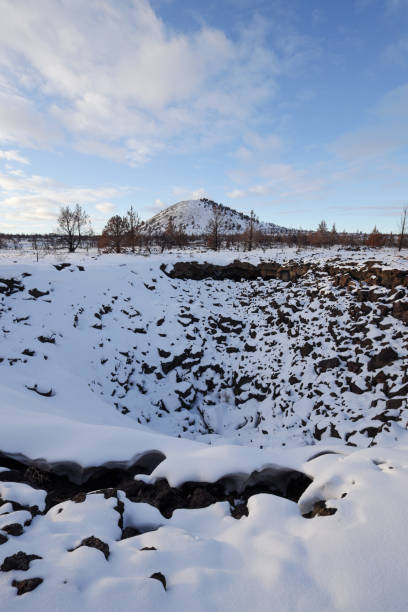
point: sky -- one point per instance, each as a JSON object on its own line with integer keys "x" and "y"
{"x": 297, "y": 110}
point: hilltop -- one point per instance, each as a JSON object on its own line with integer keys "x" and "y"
{"x": 194, "y": 216}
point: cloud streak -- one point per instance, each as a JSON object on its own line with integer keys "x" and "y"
{"x": 13, "y": 156}
{"x": 280, "y": 182}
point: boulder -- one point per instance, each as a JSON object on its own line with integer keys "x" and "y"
{"x": 383, "y": 358}
{"x": 328, "y": 364}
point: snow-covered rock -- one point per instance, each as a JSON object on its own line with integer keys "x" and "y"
{"x": 203, "y": 444}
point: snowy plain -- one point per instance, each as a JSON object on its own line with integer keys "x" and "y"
{"x": 89, "y": 378}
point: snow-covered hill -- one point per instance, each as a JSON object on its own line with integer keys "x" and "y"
{"x": 185, "y": 431}
{"x": 194, "y": 216}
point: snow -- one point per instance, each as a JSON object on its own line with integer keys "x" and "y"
{"x": 23, "y": 494}
{"x": 10, "y": 517}
{"x": 63, "y": 407}
{"x": 195, "y": 215}
{"x": 353, "y": 560}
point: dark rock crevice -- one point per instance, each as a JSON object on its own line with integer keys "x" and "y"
{"x": 111, "y": 471}
{"x": 234, "y": 488}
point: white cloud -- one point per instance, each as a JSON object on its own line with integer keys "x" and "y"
{"x": 31, "y": 202}
{"x": 14, "y": 171}
{"x": 263, "y": 142}
{"x": 259, "y": 189}
{"x": 117, "y": 82}
{"x": 243, "y": 154}
{"x": 105, "y": 207}
{"x": 237, "y": 193}
{"x": 13, "y": 156}
{"x": 156, "y": 207}
{"x": 281, "y": 182}
{"x": 257, "y": 145}
{"x": 22, "y": 123}
{"x": 199, "y": 193}
{"x": 188, "y": 194}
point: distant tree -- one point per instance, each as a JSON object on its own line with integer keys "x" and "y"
{"x": 115, "y": 233}
{"x": 321, "y": 236}
{"x": 36, "y": 244}
{"x": 216, "y": 226}
{"x": 170, "y": 233}
{"x": 72, "y": 223}
{"x": 165, "y": 238}
{"x": 16, "y": 242}
{"x": 375, "y": 239}
{"x": 148, "y": 237}
{"x": 403, "y": 222}
{"x": 180, "y": 236}
{"x": 252, "y": 223}
{"x": 390, "y": 240}
{"x": 134, "y": 223}
{"x": 90, "y": 239}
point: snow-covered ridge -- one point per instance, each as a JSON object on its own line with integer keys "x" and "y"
{"x": 194, "y": 216}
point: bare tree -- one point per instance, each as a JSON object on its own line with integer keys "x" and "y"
{"x": 180, "y": 236}
{"x": 35, "y": 245}
{"x": 134, "y": 223}
{"x": 252, "y": 223}
{"x": 114, "y": 233}
{"x": 169, "y": 234}
{"x": 148, "y": 237}
{"x": 402, "y": 227}
{"x": 216, "y": 226}
{"x": 16, "y": 241}
{"x": 72, "y": 223}
{"x": 35, "y": 242}
{"x": 173, "y": 235}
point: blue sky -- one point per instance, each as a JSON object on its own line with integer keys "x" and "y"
{"x": 296, "y": 109}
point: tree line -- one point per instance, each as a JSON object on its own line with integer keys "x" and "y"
{"x": 129, "y": 233}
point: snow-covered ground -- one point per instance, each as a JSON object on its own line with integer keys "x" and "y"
{"x": 109, "y": 362}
